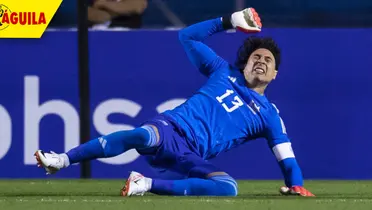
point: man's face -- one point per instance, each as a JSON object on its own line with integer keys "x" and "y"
{"x": 260, "y": 68}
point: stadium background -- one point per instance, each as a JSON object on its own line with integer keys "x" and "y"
{"x": 323, "y": 90}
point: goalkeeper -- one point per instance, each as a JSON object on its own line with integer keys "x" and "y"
{"x": 229, "y": 110}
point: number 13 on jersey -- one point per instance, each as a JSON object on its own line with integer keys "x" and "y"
{"x": 233, "y": 104}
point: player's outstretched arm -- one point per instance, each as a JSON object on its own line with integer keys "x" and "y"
{"x": 292, "y": 173}
{"x": 282, "y": 149}
{"x": 192, "y": 37}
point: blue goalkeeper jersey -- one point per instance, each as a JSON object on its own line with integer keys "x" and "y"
{"x": 223, "y": 113}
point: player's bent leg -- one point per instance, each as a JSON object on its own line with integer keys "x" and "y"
{"x": 103, "y": 147}
{"x": 173, "y": 153}
{"x": 216, "y": 185}
{"x": 204, "y": 179}
{"x": 219, "y": 185}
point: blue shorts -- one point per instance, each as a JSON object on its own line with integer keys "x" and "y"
{"x": 174, "y": 156}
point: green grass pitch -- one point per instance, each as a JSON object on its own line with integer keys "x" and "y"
{"x": 104, "y": 195}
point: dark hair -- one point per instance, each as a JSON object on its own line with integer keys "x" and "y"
{"x": 253, "y": 43}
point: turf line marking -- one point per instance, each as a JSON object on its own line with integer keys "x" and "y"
{"x": 345, "y": 200}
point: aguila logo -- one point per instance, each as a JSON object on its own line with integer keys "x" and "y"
{"x": 9, "y": 18}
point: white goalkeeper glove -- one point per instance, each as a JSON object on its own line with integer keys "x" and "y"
{"x": 247, "y": 21}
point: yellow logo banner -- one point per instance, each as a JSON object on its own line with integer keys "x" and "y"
{"x": 26, "y": 18}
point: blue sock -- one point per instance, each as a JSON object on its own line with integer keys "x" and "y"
{"x": 113, "y": 144}
{"x": 223, "y": 185}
